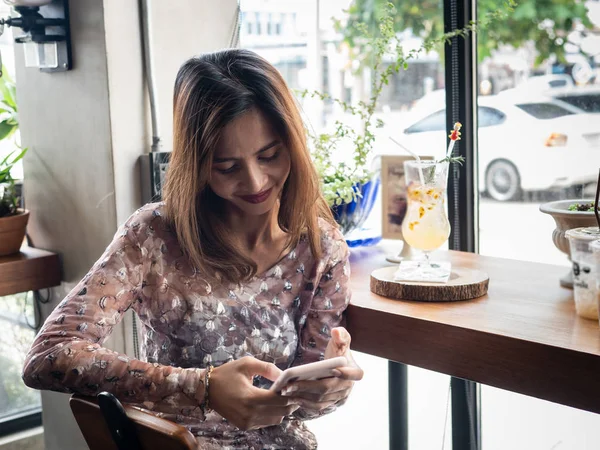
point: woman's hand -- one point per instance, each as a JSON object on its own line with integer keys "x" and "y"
{"x": 233, "y": 396}
{"x": 318, "y": 395}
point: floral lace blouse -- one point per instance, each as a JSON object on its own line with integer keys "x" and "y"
{"x": 283, "y": 316}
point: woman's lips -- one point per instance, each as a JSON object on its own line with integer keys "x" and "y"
{"x": 258, "y": 198}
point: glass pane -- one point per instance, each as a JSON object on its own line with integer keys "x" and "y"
{"x": 546, "y": 83}
{"x": 435, "y": 122}
{"x": 16, "y": 316}
{"x": 311, "y": 54}
{"x": 16, "y": 311}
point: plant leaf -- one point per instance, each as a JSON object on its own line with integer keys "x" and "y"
{"x": 6, "y": 159}
{"x": 19, "y": 156}
{"x": 6, "y": 129}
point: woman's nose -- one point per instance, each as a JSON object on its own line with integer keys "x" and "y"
{"x": 255, "y": 179}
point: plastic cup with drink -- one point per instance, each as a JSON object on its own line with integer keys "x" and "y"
{"x": 585, "y": 288}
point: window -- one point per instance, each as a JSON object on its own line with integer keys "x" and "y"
{"x": 517, "y": 174}
{"x": 544, "y": 111}
{"x": 587, "y": 102}
{"x": 257, "y": 23}
{"x": 17, "y": 401}
{"x": 488, "y": 117}
{"x": 435, "y": 122}
{"x": 557, "y": 83}
{"x": 332, "y": 71}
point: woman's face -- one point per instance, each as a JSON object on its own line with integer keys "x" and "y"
{"x": 250, "y": 164}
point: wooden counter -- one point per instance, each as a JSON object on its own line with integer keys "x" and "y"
{"x": 523, "y": 336}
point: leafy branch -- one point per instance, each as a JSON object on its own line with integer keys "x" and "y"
{"x": 453, "y": 159}
{"x": 341, "y": 182}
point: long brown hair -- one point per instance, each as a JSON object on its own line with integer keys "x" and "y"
{"x": 210, "y": 91}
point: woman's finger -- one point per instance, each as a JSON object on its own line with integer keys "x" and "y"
{"x": 252, "y": 366}
{"x": 264, "y": 397}
{"x": 320, "y": 387}
{"x": 329, "y": 397}
{"x": 277, "y": 411}
{"x": 340, "y": 340}
{"x": 315, "y": 406}
{"x": 351, "y": 373}
{"x": 266, "y": 421}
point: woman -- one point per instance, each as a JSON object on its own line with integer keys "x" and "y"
{"x": 242, "y": 264}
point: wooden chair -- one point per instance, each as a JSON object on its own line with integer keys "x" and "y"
{"x": 107, "y": 425}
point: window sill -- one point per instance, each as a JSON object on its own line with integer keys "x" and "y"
{"x": 32, "y": 439}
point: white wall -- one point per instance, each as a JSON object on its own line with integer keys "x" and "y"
{"x": 193, "y": 27}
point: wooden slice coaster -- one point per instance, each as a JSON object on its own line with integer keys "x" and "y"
{"x": 464, "y": 284}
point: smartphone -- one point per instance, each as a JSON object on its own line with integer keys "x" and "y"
{"x": 312, "y": 371}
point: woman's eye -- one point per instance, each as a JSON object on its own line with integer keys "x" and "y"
{"x": 227, "y": 170}
{"x": 270, "y": 157}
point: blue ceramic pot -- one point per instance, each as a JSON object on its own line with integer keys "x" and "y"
{"x": 352, "y": 215}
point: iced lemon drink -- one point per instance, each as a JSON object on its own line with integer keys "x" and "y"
{"x": 426, "y": 225}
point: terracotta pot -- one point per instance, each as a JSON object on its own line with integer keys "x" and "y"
{"x": 567, "y": 220}
{"x": 12, "y": 232}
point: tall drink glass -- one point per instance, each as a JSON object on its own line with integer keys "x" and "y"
{"x": 426, "y": 226}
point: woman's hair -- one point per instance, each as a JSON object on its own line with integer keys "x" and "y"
{"x": 210, "y": 91}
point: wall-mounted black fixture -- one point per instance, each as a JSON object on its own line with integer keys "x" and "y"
{"x": 47, "y": 39}
{"x": 154, "y": 167}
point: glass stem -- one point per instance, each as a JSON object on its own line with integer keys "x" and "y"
{"x": 427, "y": 261}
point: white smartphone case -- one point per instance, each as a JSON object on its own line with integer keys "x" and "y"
{"x": 312, "y": 371}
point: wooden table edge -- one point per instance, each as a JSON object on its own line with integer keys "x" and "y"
{"x": 479, "y": 356}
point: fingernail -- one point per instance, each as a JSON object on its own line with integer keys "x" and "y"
{"x": 288, "y": 391}
{"x": 336, "y": 373}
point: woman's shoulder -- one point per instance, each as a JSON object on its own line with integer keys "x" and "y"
{"x": 329, "y": 230}
{"x": 150, "y": 219}
{"x": 332, "y": 240}
{"x": 146, "y": 215}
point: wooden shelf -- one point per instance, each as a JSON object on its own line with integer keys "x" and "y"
{"x": 31, "y": 269}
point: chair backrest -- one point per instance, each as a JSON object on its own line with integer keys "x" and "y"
{"x": 141, "y": 429}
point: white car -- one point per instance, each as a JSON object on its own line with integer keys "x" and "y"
{"x": 524, "y": 144}
{"x": 545, "y": 82}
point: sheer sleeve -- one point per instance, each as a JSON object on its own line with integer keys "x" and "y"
{"x": 67, "y": 354}
{"x": 327, "y": 309}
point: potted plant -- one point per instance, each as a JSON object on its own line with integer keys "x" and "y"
{"x": 13, "y": 219}
{"x": 569, "y": 214}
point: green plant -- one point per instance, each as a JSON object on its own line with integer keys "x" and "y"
{"x": 589, "y": 207}
{"x": 9, "y": 200}
{"x": 341, "y": 181}
{"x": 9, "y": 124}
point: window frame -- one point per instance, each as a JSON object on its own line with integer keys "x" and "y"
{"x": 21, "y": 421}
